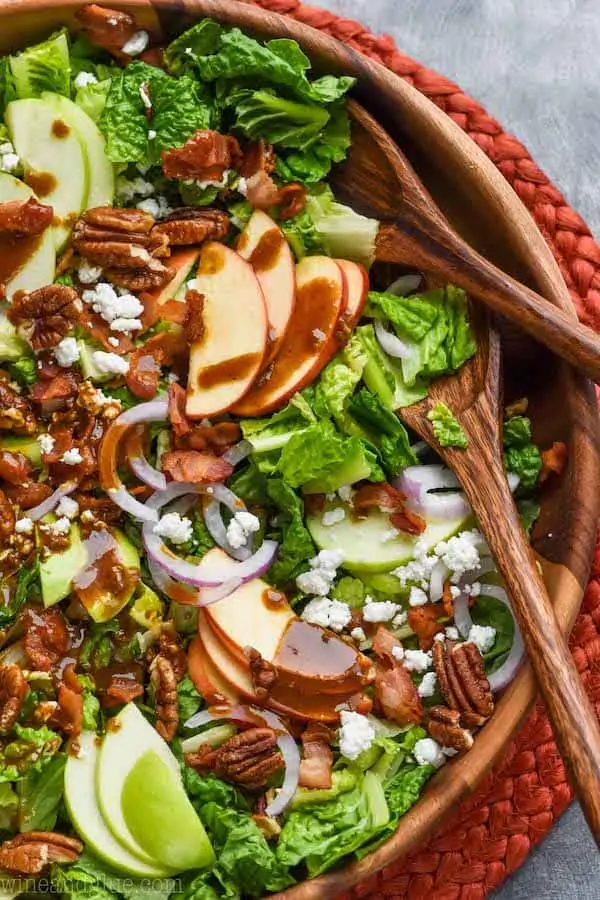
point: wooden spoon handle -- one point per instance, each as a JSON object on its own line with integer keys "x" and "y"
{"x": 574, "y": 721}
{"x": 444, "y": 252}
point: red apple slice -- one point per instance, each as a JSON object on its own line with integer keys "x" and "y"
{"x": 227, "y": 358}
{"x": 180, "y": 265}
{"x": 310, "y": 341}
{"x": 264, "y": 245}
{"x": 357, "y": 280}
{"x": 207, "y": 681}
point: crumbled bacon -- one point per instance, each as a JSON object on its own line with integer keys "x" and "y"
{"x": 68, "y": 716}
{"x": 424, "y": 622}
{"x": 100, "y": 331}
{"x": 25, "y": 219}
{"x": 317, "y": 758}
{"x": 387, "y": 498}
{"x": 180, "y": 423}
{"x": 205, "y": 157}
{"x": 218, "y": 437}
{"x": 196, "y": 467}
{"x": 384, "y": 643}
{"x": 397, "y": 695}
{"x": 554, "y": 460}
{"x": 121, "y": 690}
{"x": 109, "y": 29}
{"x": 143, "y": 376}
{"x": 263, "y": 193}
{"x": 258, "y": 156}
{"x": 56, "y": 390}
{"x": 29, "y": 494}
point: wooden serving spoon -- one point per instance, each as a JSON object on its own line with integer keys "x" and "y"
{"x": 474, "y": 396}
{"x": 378, "y": 180}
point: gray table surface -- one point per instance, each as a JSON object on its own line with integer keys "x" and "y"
{"x": 536, "y": 66}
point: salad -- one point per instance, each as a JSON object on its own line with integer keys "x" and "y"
{"x": 245, "y": 614}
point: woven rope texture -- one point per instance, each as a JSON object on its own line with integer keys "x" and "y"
{"x": 495, "y": 830}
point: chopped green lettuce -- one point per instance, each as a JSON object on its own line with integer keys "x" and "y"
{"x": 492, "y": 612}
{"x": 40, "y": 795}
{"x": 27, "y": 587}
{"x": 383, "y": 375}
{"x": 447, "y": 429}
{"x": 521, "y": 455}
{"x": 349, "y": 590}
{"x": 7, "y": 89}
{"x": 92, "y": 98}
{"x": 12, "y": 347}
{"x": 9, "y": 803}
{"x": 337, "y": 383}
{"x": 24, "y": 370}
{"x": 386, "y": 431}
{"x": 43, "y": 67}
{"x": 91, "y": 704}
{"x": 529, "y": 513}
{"x": 124, "y": 122}
{"x": 314, "y": 163}
{"x": 268, "y": 436}
{"x": 286, "y": 123}
{"x": 180, "y": 107}
{"x": 28, "y": 750}
{"x": 91, "y": 879}
{"x": 296, "y": 545}
{"x": 338, "y": 229}
{"x": 188, "y": 699}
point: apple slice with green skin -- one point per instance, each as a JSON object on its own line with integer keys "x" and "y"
{"x": 357, "y": 282}
{"x": 264, "y": 245}
{"x": 82, "y": 806}
{"x": 181, "y": 265}
{"x": 53, "y": 159}
{"x": 123, "y": 745}
{"x": 102, "y": 177}
{"x": 310, "y": 341}
{"x": 36, "y": 269}
{"x": 228, "y": 356}
{"x": 160, "y": 816}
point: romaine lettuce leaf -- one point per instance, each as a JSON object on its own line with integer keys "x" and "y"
{"x": 383, "y": 375}
{"x": 285, "y": 123}
{"x": 27, "y": 587}
{"x": 296, "y": 546}
{"x": 40, "y": 795}
{"x": 446, "y": 428}
{"x": 491, "y": 612}
{"x": 188, "y": 698}
{"x": 521, "y": 455}
{"x": 43, "y": 67}
{"x": 207, "y": 788}
{"x": 337, "y": 383}
{"x": 180, "y": 107}
{"x": 28, "y": 750}
{"x": 386, "y": 431}
{"x": 9, "y": 803}
{"x": 124, "y": 122}
{"x": 92, "y": 98}
{"x": 91, "y": 879}
{"x": 7, "y": 88}
{"x": 338, "y": 229}
{"x": 313, "y": 164}
{"x": 273, "y": 432}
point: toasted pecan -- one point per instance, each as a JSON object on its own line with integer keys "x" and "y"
{"x": 16, "y": 413}
{"x": 13, "y": 691}
{"x": 164, "y": 682}
{"x": 444, "y": 726}
{"x": 192, "y": 225}
{"x": 34, "y": 851}
{"x": 463, "y": 682}
{"x": 45, "y": 316}
{"x": 248, "y": 759}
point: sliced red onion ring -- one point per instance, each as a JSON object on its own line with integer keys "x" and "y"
{"x": 414, "y": 480}
{"x": 129, "y": 504}
{"x": 238, "y": 452}
{"x": 439, "y": 573}
{"x": 47, "y": 506}
{"x": 222, "y": 493}
{"x": 217, "y": 529}
{"x": 509, "y": 668}
{"x": 172, "y": 491}
{"x": 147, "y": 473}
{"x": 390, "y": 343}
{"x": 153, "y": 411}
{"x": 513, "y": 481}
{"x": 485, "y": 567}
{"x": 285, "y": 742}
{"x": 462, "y": 615}
{"x": 420, "y": 448}
{"x": 404, "y": 285}
{"x": 189, "y": 596}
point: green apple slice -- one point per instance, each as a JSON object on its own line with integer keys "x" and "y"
{"x": 38, "y": 270}
{"x": 82, "y": 806}
{"x": 161, "y": 818}
{"x": 102, "y": 181}
{"x": 53, "y": 158}
{"x": 127, "y": 740}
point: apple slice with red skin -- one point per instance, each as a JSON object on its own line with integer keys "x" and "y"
{"x": 357, "y": 281}
{"x": 158, "y": 302}
{"x": 207, "y": 681}
{"x": 311, "y": 339}
{"x": 264, "y": 245}
{"x": 226, "y": 359}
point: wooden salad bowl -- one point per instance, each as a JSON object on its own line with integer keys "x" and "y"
{"x": 485, "y": 210}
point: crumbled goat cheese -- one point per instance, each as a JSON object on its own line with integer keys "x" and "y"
{"x": 136, "y": 44}
{"x": 145, "y": 95}
{"x": 328, "y": 613}
{"x": 66, "y": 352}
{"x": 455, "y": 591}
{"x": 242, "y": 187}
{"x": 451, "y": 633}
{"x": 241, "y": 526}
{"x": 110, "y": 363}
{"x": 46, "y": 442}
{"x": 157, "y": 207}
{"x": 60, "y": 526}
{"x": 125, "y": 325}
{"x": 83, "y": 79}
{"x": 389, "y": 535}
{"x": 152, "y": 135}
{"x": 472, "y": 590}
{"x": 175, "y": 528}
{"x": 460, "y": 553}
{"x": 24, "y": 525}
{"x": 113, "y": 341}
{"x": 417, "y": 660}
{"x": 112, "y": 306}
{"x": 9, "y": 162}
{"x": 398, "y": 652}
{"x": 380, "y": 611}
{"x": 72, "y": 457}
{"x": 417, "y": 597}
{"x": 67, "y": 507}
{"x": 322, "y": 573}
{"x": 333, "y": 516}
{"x": 400, "y": 619}
{"x": 319, "y": 335}
{"x": 427, "y": 686}
{"x": 202, "y": 185}
{"x": 357, "y": 634}
{"x": 356, "y": 734}
{"x": 428, "y": 752}
{"x": 128, "y": 188}
{"x": 345, "y": 493}
{"x": 87, "y": 273}
{"x": 483, "y": 636}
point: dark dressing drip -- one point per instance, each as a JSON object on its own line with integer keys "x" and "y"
{"x": 229, "y": 370}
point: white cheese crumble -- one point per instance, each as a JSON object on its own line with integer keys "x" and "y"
{"x": 428, "y": 752}
{"x": 241, "y": 526}
{"x": 87, "y": 273}
{"x": 113, "y": 341}
{"x": 83, "y": 79}
{"x": 333, "y": 516}
{"x": 110, "y": 363}
{"x": 145, "y": 95}
{"x": 357, "y": 634}
{"x": 158, "y": 207}
{"x": 242, "y": 187}
{"x": 451, "y": 633}
{"x": 319, "y": 335}
{"x": 72, "y": 457}
{"x": 327, "y": 613}
{"x": 66, "y": 352}
{"x": 483, "y": 636}
{"x": 460, "y": 553}
{"x": 398, "y": 652}
{"x": 128, "y": 188}
{"x": 152, "y": 135}
{"x": 67, "y": 507}
{"x": 175, "y": 528}
{"x": 136, "y": 44}
{"x": 9, "y": 159}
{"x": 125, "y": 325}
{"x": 417, "y": 597}
{"x": 427, "y": 685}
{"x": 417, "y": 660}
{"x": 60, "y": 526}
{"x": 46, "y": 442}
{"x": 323, "y": 569}
{"x": 345, "y": 493}
{"x": 379, "y": 611}
{"x": 24, "y": 525}
{"x": 112, "y": 306}
{"x": 400, "y": 619}
{"x": 356, "y": 734}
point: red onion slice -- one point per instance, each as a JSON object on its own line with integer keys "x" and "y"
{"x": 390, "y": 343}
{"x": 147, "y": 473}
{"x": 129, "y": 504}
{"x": 439, "y": 573}
{"x": 47, "y": 506}
{"x": 404, "y": 285}
{"x": 153, "y": 411}
{"x": 222, "y": 493}
{"x": 188, "y": 596}
{"x": 462, "y": 615}
{"x": 218, "y": 531}
{"x": 238, "y": 452}
{"x": 509, "y": 668}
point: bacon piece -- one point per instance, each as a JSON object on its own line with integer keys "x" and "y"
{"x": 179, "y": 421}
{"x": 397, "y": 695}
{"x": 218, "y": 437}
{"x": 205, "y": 157}
{"x": 384, "y": 644}
{"x": 317, "y": 759}
{"x": 58, "y": 389}
{"x": 122, "y": 689}
{"x": 263, "y": 193}
{"x": 195, "y": 467}
{"x": 423, "y": 621}
{"x": 554, "y": 460}
{"x": 387, "y": 498}
{"x": 143, "y": 376}
{"x": 27, "y": 218}
{"x": 100, "y": 330}
{"x": 107, "y": 28}
{"x": 28, "y": 495}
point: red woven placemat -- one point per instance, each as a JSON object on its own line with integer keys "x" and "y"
{"x": 493, "y": 832}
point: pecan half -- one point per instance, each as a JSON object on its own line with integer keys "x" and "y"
{"x": 16, "y": 413}
{"x": 190, "y": 225}
{"x": 248, "y": 759}
{"x": 463, "y": 683}
{"x": 13, "y": 690}
{"x": 107, "y": 28}
{"x": 126, "y": 221}
{"x": 44, "y": 317}
{"x": 169, "y": 648}
{"x": 444, "y": 726}
{"x": 46, "y": 638}
{"x": 7, "y": 516}
{"x": 262, "y": 673}
{"x": 204, "y": 157}
{"x": 164, "y": 682}
{"x": 139, "y": 280}
{"x": 25, "y": 219}
{"x": 32, "y": 852}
